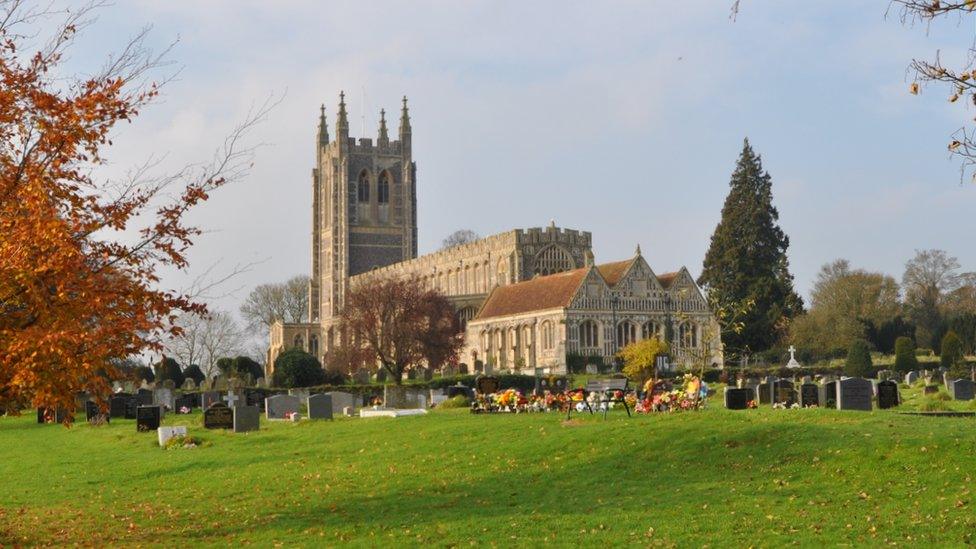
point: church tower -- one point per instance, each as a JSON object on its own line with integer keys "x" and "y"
{"x": 364, "y": 208}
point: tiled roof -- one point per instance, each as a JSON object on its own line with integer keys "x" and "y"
{"x": 613, "y": 272}
{"x": 667, "y": 278}
{"x": 540, "y": 293}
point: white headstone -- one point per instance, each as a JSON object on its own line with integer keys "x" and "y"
{"x": 166, "y": 433}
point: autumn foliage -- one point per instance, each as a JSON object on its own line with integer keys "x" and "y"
{"x": 79, "y": 257}
{"x": 400, "y": 324}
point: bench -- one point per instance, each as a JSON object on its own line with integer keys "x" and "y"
{"x": 607, "y": 390}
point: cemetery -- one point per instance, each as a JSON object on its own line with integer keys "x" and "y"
{"x": 759, "y": 447}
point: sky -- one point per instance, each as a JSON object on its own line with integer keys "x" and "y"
{"x": 624, "y": 119}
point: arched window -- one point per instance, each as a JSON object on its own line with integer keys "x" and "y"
{"x": 383, "y": 188}
{"x": 589, "y": 334}
{"x": 651, "y": 329}
{"x": 626, "y": 333}
{"x": 553, "y": 259}
{"x": 299, "y": 343}
{"x": 313, "y": 344}
{"x": 688, "y": 333}
{"x": 547, "y": 336}
{"x": 363, "y": 188}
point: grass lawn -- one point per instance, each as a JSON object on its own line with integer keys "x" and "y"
{"x": 760, "y": 477}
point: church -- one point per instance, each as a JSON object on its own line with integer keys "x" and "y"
{"x": 526, "y": 299}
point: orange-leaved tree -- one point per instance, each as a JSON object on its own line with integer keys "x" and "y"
{"x": 79, "y": 257}
{"x": 400, "y": 324}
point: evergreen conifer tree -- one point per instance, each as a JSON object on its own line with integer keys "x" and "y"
{"x": 905, "y": 360}
{"x": 858, "y": 359}
{"x": 746, "y": 262}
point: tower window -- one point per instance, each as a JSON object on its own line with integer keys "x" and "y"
{"x": 383, "y": 190}
{"x": 364, "y": 187}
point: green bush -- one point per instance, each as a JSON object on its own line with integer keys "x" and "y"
{"x": 195, "y": 373}
{"x": 296, "y": 368}
{"x": 239, "y": 367}
{"x": 459, "y": 401}
{"x": 145, "y": 373}
{"x": 950, "y": 353}
{"x": 858, "y": 359}
{"x": 932, "y": 405}
{"x": 905, "y": 359}
{"x": 941, "y": 395}
{"x": 168, "y": 368}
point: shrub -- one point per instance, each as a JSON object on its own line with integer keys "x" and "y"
{"x": 296, "y": 368}
{"x": 950, "y": 353}
{"x": 941, "y": 395}
{"x": 905, "y": 360}
{"x": 195, "y": 373}
{"x": 459, "y": 401}
{"x": 858, "y": 359}
{"x": 168, "y": 368}
{"x": 932, "y": 405}
{"x": 145, "y": 373}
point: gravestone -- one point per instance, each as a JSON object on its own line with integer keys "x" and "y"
{"x": 208, "y": 399}
{"x": 132, "y": 407}
{"x": 246, "y": 418}
{"x": 255, "y": 397}
{"x": 206, "y": 384}
{"x": 218, "y": 416}
{"x": 59, "y": 415}
{"x": 854, "y": 393}
{"x": 784, "y": 392}
{"x": 592, "y": 369}
{"x": 164, "y": 397}
{"x": 455, "y": 390}
{"x": 341, "y": 400}
{"x": 300, "y": 394}
{"x": 486, "y": 385}
{"x": 148, "y": 418}
{"x": 930, "y": 389}
{"x": 809, "y": 395}
{"x": 278, "y": 406}
{"x": 221, "y": 383}
{"x": 182, "y": 403}
{"x": 911, "y": 378}
{"x": 231, "y": 399}
{"x": 829, "y": 394}
{"x": 145, "y": 397}
{"x": 169, "y": 384}
{"x": 884, "y": 375}
{"x": 737, "y": 398}
{"x": 559, "y": 384}
{"x": 94, "y": 415}
{"x": 887, "y": 394}
{"x": 261, "y": 383}
{"x": 400, "y": 397}
{"x": 117, "y": 403}
{"x": 189, "y": 385}
{"x": 381, "y": 375}
{"x": 320, "y": 406}
{"x": 963, "y": 389}
{"x": 764, "y": 393}
{"x": 166, "y": 433}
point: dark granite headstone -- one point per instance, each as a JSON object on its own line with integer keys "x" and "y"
{"x": 148, "y": 418}
{"x": 218, "y": 416}
{"x": 830, "y": 394}
{"x": 764, "y": 393}
{"x": 560, "y": 384}
{"x": 117, "y": 404}
{"x": 455, "y": 390}
{"x": 855, "y": 393}
{"x": 784, "y": 392}
{"x": 809, "y": 395}
{"x": 94, "y": 415}
{"x": 738, "y": 399}
{"x": 486, "y": 385}
{"x": 183, "y": 402}
{"x": 963, "y": 389}
{"x": 131, "y": 406}
{"x": 246, "y": 418}
{"x": 887, "y": 394}
{"x": 145, "y": 397}
{"x": 320, "y": 406}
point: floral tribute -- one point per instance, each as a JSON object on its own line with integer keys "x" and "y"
{"x": 662, "y": 396}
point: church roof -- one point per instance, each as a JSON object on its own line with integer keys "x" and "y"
{"x": 667, "y": 278}
{"x": 540, "y": 293}
{"x": 613, "y": 272}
